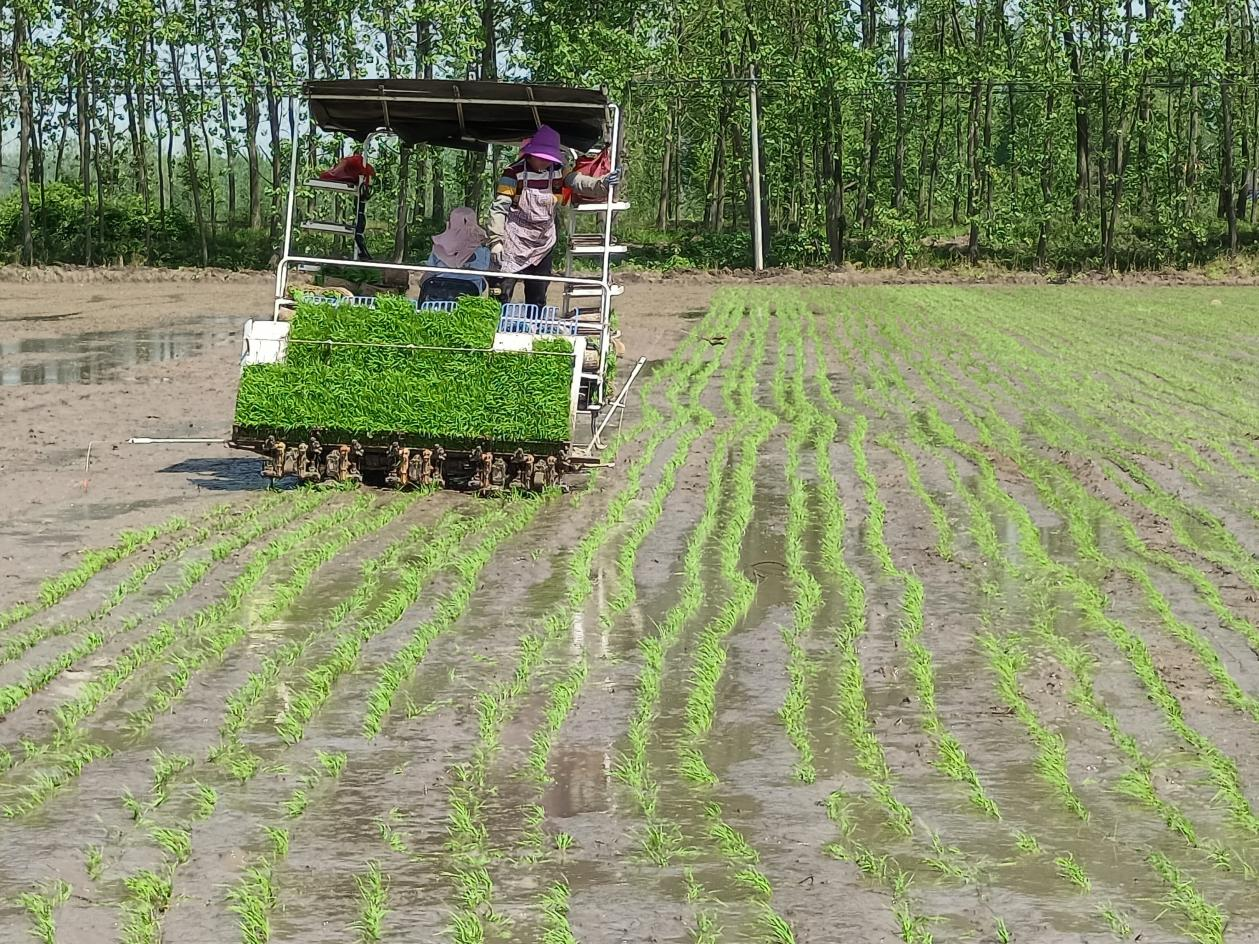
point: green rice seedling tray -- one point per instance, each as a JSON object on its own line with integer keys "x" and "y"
{"x": 392, "y": 373}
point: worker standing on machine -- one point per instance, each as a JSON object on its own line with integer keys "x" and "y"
{"x": 522, "y": 216}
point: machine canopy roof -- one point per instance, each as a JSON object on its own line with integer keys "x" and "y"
{"x": 468, "y": 115}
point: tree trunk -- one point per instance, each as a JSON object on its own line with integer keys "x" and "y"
{"x": 935, "y": 158}
{"x": 400, "y": 221}
{"x": 715, "y": 209}
{"x": 972, "y": 146}
{"x": 26, "y": 133}
{"x": 488, "y": 73}
{"x": 1227, "y": 183}
{"x": 677, "y": 200}
{"x": 273, "y": 112}
{"x": 836, "y": 210}
{"x": 666, "y": 174}
{"x": 190, "y": 164}
{"x": 157, "y": 155}
{"x": 1046, "y": 184}
{"x": 438, "y": 209}
{"x": 1081, "y": 113}
{"x": 225, "y": 111}
{"x": 85, "y": 157}
{"x": 1191, "y": 162}
{"x": 898, "y": 156}
{"x": 252, "y": 123}
{"x": 972, "y": 176}
{"x": 1122, "y": 137}
{"x": 985, "y": 177}
{"x": 97, "y": 171}
{"x": 1103, "y": 182}
{"x": 1145, "y": 116}
{"x": 64, "y": 122}
{"x": 41, "y": 158}
{"x": 209, "y": 153}
{"x": 959, "y": 162}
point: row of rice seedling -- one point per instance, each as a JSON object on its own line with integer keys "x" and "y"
{"x": 691, "y": 421}
{"x": 662, "y": 839}
{"x": 55, "y": 589}
{"x": 254, "y": 896}
{"x": 710, "y": 649}
{"x": 806, "y": 590}
{"x": 38, "y": 678}
{"x": 949, "y": 863}
{"x": 67, "y": 739}
{"x": 851, "y": 705}
{"x": 1009, "y": 657}
{"x": 41, "y": 907}
{"x": 249, "y": 694}
{"x": 1092, "y": 603}
{"x": 951, "y": 756}
{"x": 373, "y": 895}
{"x": 1058, "y": 435}
{"x": 303, "y": 704}
{"x": 438, "y": 551}
{"x": 468, "y": 793}
{"x": 1187, "y": 521}
{"x": 468, "y": 566}
{"x": 1186, "y": 388}
{"x": 555, "y": 926}
{"x": 687, "y": 422}
{"x": 560, "y": 701}
{"x": 192, "y": 536}
{"x": 913, "y": 924}
{"x": 755, "y": 427}
{"x": 1064, "y": 495}
{"x": 1203, "y": 921}
{"x": 633, "y": 767}
{"x": 205, "y": 648}
{"x": 579, "y": 587}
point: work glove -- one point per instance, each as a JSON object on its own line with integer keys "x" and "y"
{"x": 612, "y": 178}
{"x": 496, "y": 256}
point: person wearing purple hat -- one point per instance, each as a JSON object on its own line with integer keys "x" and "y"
{"x": 522, "y": 216}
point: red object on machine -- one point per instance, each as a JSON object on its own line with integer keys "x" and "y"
{"x": 349, "y": 170}
{"x": 592, "y": 165}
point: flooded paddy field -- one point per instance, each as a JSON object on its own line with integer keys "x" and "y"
{"x": 915, "y": 613}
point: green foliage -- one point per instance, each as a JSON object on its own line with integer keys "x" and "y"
{"x": 128, "y": 230}
{"x": 457, "y": 398}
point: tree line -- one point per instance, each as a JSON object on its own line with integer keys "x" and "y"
{"x": 1040, "y": 133}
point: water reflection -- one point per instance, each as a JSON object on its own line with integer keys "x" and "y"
{"x": 96, "y": 356}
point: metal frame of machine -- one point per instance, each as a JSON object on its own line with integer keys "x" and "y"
{"x": 471, "y": 116}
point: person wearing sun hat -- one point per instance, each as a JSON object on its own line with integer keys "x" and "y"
{"x": 522, "y": 216}
{"x": 461, "y": 245}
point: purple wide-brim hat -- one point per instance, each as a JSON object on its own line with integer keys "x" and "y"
{"x": 545, "y": 144}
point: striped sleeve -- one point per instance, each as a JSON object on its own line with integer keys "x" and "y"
{"x": 508, "y": 181}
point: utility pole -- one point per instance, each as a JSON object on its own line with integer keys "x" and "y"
{"x": 758, "y": 226}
